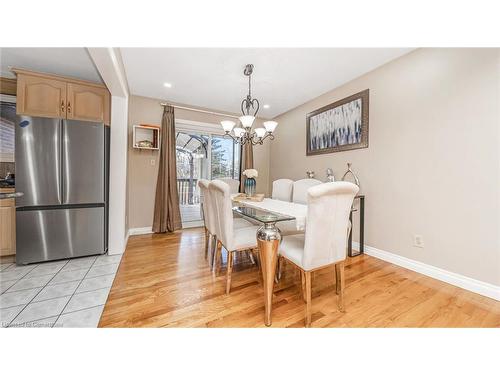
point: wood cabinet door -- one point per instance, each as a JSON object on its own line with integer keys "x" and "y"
{"x": 88, "y": 103}
{"x": 38, "y": 96}
{"x": 7, "y": 227}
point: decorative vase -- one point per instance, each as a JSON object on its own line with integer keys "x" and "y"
{"x": 250, "y": 184}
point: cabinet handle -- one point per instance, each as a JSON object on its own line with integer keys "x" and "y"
{"x": 62, "y": 106}
{"x": 69, "y": 107}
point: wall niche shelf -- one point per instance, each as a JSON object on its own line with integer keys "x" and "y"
{"x": 146, "y": 137}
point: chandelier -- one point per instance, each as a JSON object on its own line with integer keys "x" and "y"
{"x": 245, "y": 134}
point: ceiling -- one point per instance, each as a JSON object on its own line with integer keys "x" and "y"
{"x": 72, "y": 62}
{"x": 213, "y": 78}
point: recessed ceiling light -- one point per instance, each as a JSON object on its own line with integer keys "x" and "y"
{"x": 266, "y": 106}
{"x": 167, "y": 84}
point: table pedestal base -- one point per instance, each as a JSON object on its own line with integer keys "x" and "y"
{"x": 268, "y": 239}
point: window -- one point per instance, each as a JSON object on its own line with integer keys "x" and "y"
{"x": 225, "y": 158}
{"x": 7, "y": 120}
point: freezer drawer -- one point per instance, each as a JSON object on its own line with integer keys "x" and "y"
{"x": 52, "y": 234}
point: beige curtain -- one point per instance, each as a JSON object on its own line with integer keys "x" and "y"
{"x": 167, "y": 215}
{"x": 246, "y": 162}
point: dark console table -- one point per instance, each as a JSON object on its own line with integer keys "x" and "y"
{"x": 361, "y": 228}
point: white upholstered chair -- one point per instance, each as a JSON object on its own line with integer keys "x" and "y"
{"x": 282, "y": 189}
{"x": 325, "y": 240}
{"x": 229, "y": 236}
{"x": 299, "y": 195}
{"x": 210, "y": 219}
{"x": 300, "y": 189}
{"x": 234, "y": 185}
{"x": 208, "y": 216}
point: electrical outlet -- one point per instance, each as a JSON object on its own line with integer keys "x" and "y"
{"x": 418, "y": 240}
{"x": 153, "y": 161}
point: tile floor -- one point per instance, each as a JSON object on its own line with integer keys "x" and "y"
{"x": 67, "y": 293}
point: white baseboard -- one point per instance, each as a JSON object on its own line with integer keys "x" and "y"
{"x": 126, "y": 241}
{"x": 464, "y": 282}
{"x": 138, "y": 231}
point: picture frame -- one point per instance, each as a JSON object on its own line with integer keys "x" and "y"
{"x": 340, "y": 126}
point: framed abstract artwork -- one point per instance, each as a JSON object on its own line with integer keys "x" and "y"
{"x": 339, "y": 126}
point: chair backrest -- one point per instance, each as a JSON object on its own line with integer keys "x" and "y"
{"x": 327, "y": 227}
{"x": 282, "y": 189}
{"x": 208, "y": 206}
{"x": 234, "y": 185}
{"x": 221, "y": 197}
{"x": 300, "y": 189}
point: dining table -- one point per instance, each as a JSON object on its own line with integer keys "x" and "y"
{"x": 268, "y": 212}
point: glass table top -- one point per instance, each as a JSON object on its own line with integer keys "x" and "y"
{"x": 265, "y": 217}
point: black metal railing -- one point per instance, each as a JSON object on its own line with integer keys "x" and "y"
{"x": 188, "y": 191}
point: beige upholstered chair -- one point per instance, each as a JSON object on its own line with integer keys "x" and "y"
{"x": 282, "y": 189}
{"x": 234, "y": 185}
{"x": 300, "y": 189}
{"x": 325, "y": 240}
{"x": 228, "y": 234}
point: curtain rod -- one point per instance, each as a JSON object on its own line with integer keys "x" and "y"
{"x": 198, "y": 110}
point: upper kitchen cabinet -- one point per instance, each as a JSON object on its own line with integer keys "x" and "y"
{"x": 48, "y": 95}
{"x": 87, "y": 103}
{"x": 38, "y": 96}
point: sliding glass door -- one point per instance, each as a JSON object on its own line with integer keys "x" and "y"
{"x": 201, "y": 155}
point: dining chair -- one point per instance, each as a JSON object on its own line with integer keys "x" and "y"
{"x": 234, "y": 185}
{"x": 300, "y": 189}
{"x": 229, "y": 236}
{"x": 208, "y": 216}
{"x": 210, "y": 220}
{"x": 299, "y": 195}
{"x": 325, "y": 240}
{"x": 282, "y": 189}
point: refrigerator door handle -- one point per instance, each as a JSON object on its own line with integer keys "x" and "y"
{"x": 61, "y": 163}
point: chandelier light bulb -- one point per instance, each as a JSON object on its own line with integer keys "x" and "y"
{"x": 247, "y": 121}
{"x": 270, "y": 126}
{"x": 260, "y": 132}
{"x": 238, "y": 132}
{"x": 227, "y": 125}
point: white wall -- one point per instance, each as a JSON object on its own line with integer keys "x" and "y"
{"x": 432, "y": 167}
{"x": 110, "y": 66}
{"x": 118, "y": 230}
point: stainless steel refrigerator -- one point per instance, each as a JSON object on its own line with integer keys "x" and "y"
{"x": 61, "y": 168}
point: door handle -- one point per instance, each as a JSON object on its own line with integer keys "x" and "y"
{"x": 62, "y": 106}
{"x": 61, "y": 162}
{"x": 69, "y": 107}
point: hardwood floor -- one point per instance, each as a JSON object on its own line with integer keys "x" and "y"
{"x": 164, "y": 281}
